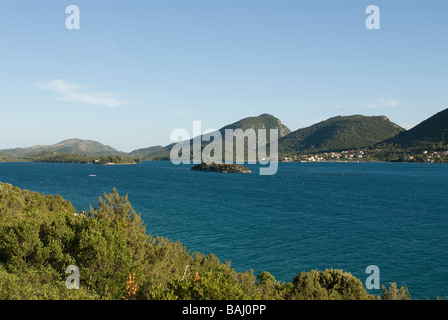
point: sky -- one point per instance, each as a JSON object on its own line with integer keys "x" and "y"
{"x": 136, "y": 70}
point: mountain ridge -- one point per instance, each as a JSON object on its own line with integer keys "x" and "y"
{"x": 334, "y": 134}
{"x": 71, "y": 146}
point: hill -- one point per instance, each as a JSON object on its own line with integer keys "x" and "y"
{"x": 263, "y": 121}
{"x": 339, "y": 133}
{"x": 70, "y": 146}
{"x": 430, "y": 131}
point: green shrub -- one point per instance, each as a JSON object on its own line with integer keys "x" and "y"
{"x": 327, "y": 285}
{"x": 393, "y": 293}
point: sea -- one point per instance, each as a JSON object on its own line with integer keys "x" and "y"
{"x": 307, "y": 216}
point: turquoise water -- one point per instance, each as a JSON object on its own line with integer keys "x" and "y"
{"x": 307, "y": 216}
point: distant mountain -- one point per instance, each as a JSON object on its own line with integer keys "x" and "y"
{"x": 339, "y": 133}
{"x": 72, "y": 146}
{"x": 263, "y": 121}
{"x": 432, "y": 130}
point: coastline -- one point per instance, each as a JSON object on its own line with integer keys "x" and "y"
{"x": 329, "y": 161}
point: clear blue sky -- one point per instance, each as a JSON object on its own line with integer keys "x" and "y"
{"x": 136, "y": 70}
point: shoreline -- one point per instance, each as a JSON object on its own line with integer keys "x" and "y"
{"x": 117, "y": 164}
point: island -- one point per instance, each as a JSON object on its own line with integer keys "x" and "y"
{"x": 109, "y": 160}
{"x": 221, "y": 167}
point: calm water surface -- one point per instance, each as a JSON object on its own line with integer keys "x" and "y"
{"x": 308, "y": 216}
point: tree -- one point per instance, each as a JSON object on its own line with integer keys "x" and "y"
{"x": 393, "y": 293}
{"x": 327, "y": 285}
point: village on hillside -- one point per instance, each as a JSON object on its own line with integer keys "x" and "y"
{"x": 369, "y": 155}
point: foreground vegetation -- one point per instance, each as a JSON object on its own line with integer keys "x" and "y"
{"x": 41, "y": 235}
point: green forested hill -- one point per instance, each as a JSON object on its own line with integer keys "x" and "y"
{"x": 42, "y": 235}
{"x": 339, "y": 133}
{"x": 430, "y": 131}
{"x": 263, "y": 121}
